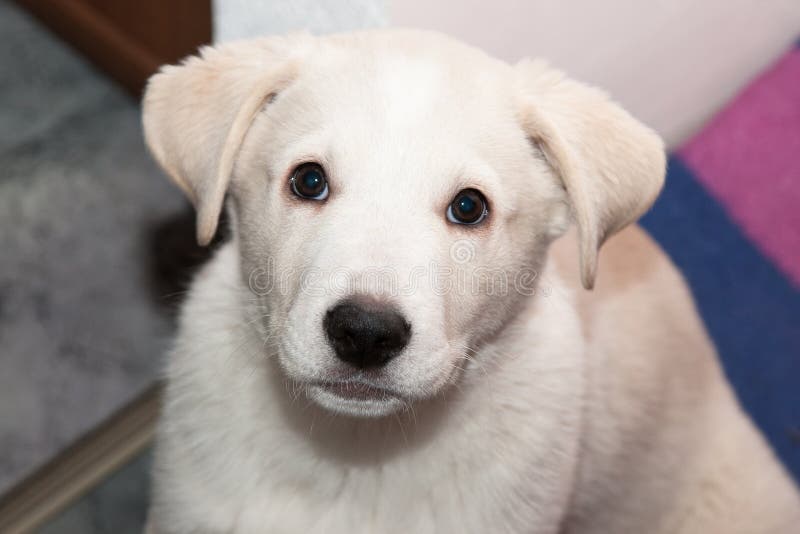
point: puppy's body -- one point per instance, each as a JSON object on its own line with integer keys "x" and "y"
{"x": 665, "y": 446}
{"x": 238, "y": 452}
{"x": 515, "y": 401}
{"x": 600, "y": 411}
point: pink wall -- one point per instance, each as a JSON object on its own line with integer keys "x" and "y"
{"x": 671, "y": 62}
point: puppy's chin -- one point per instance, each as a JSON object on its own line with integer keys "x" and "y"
{"x": 354, "y": 402}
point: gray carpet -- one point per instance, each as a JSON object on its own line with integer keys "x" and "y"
{"x": 80, "y": 330}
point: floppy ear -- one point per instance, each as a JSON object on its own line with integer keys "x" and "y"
{"x": 196, "y": 114}
{"x": 611, "y": 165}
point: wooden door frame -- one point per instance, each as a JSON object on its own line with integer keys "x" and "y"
{"x": 80, "y": 467}
{"x": 127, "y": 39}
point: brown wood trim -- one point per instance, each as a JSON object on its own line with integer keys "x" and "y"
{"x": 127, "y": 39}
{"x": 80, "y": 467}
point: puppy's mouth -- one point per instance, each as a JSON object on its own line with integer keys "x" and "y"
{"x": 356, "y": 390}
{"x": 355, "y": 398}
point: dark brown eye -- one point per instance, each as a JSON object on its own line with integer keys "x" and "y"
{"x": 468, "y": 207}
{"x": 308, "y": 181}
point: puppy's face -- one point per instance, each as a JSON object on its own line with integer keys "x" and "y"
{"x": 388, "y": 206}
{"x": 393, "y": 199}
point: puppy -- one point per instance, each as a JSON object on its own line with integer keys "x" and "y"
{"x": 395, "y": 339}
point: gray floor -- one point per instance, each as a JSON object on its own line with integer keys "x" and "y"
{"x": 80, "y": 329}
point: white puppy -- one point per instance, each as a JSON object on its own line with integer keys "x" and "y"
{"x": 386, "y": 344}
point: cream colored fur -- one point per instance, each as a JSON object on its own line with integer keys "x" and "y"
{"x": 543, "y": 409}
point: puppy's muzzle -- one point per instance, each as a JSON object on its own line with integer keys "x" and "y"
{"x": 365, "y": 333}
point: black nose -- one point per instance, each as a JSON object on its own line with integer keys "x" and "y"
{"x": 366, "y": 334}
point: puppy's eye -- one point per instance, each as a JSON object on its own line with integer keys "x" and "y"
{"x": 468, "y": 207}
{"x": 308, "y": 181}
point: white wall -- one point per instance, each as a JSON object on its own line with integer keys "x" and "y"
{"x": 671, "y": 62}
{"x": 237, "y": 19}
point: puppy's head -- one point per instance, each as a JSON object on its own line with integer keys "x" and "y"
{"x": 393, "y": 194}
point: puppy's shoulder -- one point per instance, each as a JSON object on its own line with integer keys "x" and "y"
{"x": 628, "y": 259}
{"x": 215, "y": 290}
{"x": 633, "y": 272}
{"x": 640, "y": 305}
